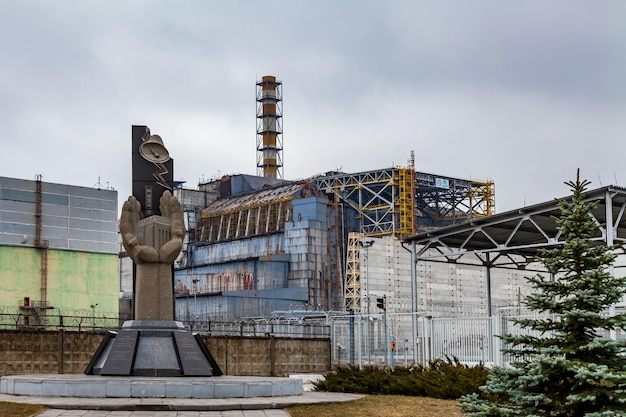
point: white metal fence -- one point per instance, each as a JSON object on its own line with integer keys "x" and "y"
{"x": 361, "y": 340}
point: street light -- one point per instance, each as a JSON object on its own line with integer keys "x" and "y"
{"x": 195, "y": 300}
{"x": 366, "y": 244}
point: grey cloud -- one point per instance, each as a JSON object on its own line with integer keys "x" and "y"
{"x": 517, "y": 92}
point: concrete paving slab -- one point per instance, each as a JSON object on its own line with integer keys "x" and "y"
{"x": 151, "y": 405}
{"x": 84, "y": 413}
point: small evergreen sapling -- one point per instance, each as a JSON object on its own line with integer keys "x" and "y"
{"x": 568, "y": 370}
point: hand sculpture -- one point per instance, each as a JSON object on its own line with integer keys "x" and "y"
{"x": 140, "y": 253}
{"x": 170, "y": 208}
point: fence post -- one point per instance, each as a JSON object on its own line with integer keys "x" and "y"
{"x": 497, "y": 342}
{"x": 360, "y": 347}
{"x": 352, "y": 345}
{"x": 226, "y": 354}
{"x": 60, "y": 353}
{"x": 429, "y": 340}
{"x": 272, "y": 356}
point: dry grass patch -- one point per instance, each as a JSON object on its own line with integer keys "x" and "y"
{"x": 20, "y": 410}
{"x": 381, "y": 405}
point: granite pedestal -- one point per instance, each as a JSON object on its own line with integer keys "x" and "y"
{"x": 155, "y": 348}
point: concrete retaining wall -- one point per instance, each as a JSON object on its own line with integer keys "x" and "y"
{"x": 58, "y": 352}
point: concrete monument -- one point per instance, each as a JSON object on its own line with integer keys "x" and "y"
{"x": 153, "y": 344}
{"x": 153, "y": 244}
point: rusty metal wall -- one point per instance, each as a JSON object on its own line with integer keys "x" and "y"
{"x": 255, "y": 276}
{"x": 238, "y": 305}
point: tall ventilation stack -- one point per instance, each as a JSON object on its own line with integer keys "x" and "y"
{"x": 269, "y": 132}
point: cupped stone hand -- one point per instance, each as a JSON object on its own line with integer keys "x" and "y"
{"x": 170, "y": 208}
{"x": 131, "y": 214}
{"x": 140, "y": 253}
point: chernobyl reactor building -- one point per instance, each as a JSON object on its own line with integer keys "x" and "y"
{"x": 267, "y": 247}
{"x": 261, "y": 246}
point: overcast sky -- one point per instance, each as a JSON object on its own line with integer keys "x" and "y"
{"x": 519, "y": 92}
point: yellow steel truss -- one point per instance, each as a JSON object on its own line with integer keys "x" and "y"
{"x": 393, "y": 201}
{"x": 482, "y": 198}
{"x": 405, "y": 203}
{"x": 352, "y": 289}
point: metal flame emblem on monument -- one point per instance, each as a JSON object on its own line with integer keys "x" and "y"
{"x": 153, "y": 344}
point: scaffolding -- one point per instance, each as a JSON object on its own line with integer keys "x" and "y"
{"x": 352, "y": 293}
{"x": 406, "y": 202}
{"x": 443, "y": 201}
{"x": 371, "y": 194}
{"x": 483, "y": 198}
{"x": 399, "y": 201}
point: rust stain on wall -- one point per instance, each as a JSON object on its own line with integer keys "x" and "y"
{"x": 226, "y": 281}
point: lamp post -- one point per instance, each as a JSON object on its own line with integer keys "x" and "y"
{"x": 366, "y": 244}
{"x": 195, "y": 300}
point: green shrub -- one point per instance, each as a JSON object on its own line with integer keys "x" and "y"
{"x": 447, "y": 379}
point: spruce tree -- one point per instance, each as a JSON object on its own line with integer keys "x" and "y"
{"x": 564, "y": 367}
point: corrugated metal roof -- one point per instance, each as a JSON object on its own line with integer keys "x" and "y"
{"x": 269, "y": 195}
{"x": 256, "y": 183}
{"x": 524, "y": 231}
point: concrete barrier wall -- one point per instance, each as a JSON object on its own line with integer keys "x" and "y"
{"x": 52, "y": 352}
{"x": 270, "y": 356}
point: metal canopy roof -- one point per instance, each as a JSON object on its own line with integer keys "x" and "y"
{"x": 515, "y": 236}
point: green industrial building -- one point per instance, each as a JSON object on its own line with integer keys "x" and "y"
{"x": 59, "y": 254}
